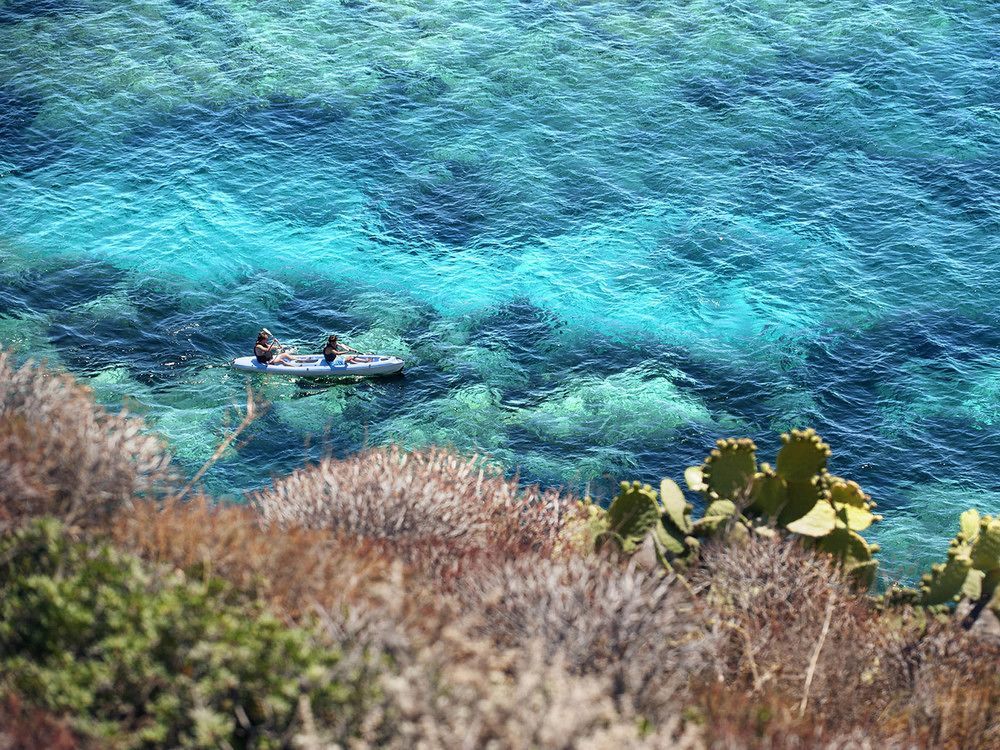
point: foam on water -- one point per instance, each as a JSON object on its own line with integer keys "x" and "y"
{"x": 602, "y": 234}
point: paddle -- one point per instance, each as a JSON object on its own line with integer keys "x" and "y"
{"x": 276, "y": 340}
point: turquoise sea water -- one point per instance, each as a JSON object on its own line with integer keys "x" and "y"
{"x": 603, "y": 234}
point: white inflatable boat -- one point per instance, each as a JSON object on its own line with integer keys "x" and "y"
{"x": 315, "y": 366}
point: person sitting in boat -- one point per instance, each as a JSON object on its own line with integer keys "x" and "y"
{"x": 333, "y": 349}
{"x": 270, "y": 354}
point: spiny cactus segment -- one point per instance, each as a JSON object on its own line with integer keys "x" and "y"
{"x": 986, "y": 545}
{"x": 676, "y": 508}
{"x": 633, "y": 514}
{"x": 768, "y": 494}
{"x": 729, "y": 470}
{"x": 799, "y": 497}
{"x": 970, "y": 573}
{"x": 945, "y": 581}
{"x": 852, "y": 505}
{"x": 802, "y": 456}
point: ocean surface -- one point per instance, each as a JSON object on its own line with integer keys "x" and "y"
{"x": 602, "y": 234}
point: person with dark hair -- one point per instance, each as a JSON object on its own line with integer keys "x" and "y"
{"x": 333, "y": 349}
{"x": 268, "y": 353}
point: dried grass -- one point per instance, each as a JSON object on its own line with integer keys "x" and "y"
{"x": 432, "y": 509}
{"x": 445, "y": 687}
{"x": 955, "y": 693}
{"x": 637, "y": 629}
{"x": 62, "y": 455}
{"x": 792, "y": 624}
{"x": 296, "y": 570}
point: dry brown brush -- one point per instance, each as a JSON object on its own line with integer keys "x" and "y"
{"x": 634, "y": 628}
{"x": 433, "y": 509}
{"x": 63, "y": 455}
{"x": 806, "y": 660}
{"x": 26, "y": 728}
{"x": 446, "y": 685}
{"x": 296, "y": 570}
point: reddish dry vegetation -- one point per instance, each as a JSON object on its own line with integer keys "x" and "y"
{"x": 63, "y": 455}
{"x": 807, "y": 661}
{"x": 486, "y": 625}
{"x": 26, "y": 728}
{"x": 434, "y": 510}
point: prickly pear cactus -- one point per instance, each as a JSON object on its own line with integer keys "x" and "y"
{"x": 799, "y": 496}
{"x": 803, "y": 455}
{"x": 677, "y": 510}
{"x": 944, "y": 583}
{"x": 716, "y": 518}
{"x": 986, "y": 546}
{"x": 633, "y": 514}
{"x": 729, "y": 470}
{"x": 971, "y": 572}
{"x": 854, "y": 553}
{"x": 853, "y": 506}
{"x": 768, "y": 494}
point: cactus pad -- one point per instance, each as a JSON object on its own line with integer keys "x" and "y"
{"x": 986, "y": 549}
{"x": 729, "y": 470}
{"x": 847, "y": 546}
{"x": 716, "y": 517}
{"x": 668, "y": 542}
{"x": 973, "y": 586}
{"x": 633, "y": 514}
{"x": 677, "y": 509}
{"x": 945, "y": 581}
{"x": 694, "y": 478}
{"x": 802, "y": 456}
{"x": 768, "y": 493}
{"x": 969, "y": 523}
{"x": 802, "y": 498}
{"x": 848, "y": 493}
{"x": 819, "y": 521}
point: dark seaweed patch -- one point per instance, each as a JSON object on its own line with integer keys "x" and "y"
{"x": 15, "y": 11}
{"x": 56, "y": 288}
{"x": 18, "y": 109}
{"x": 518, "y": 326}
{"x": 971, "y": 187}
{"x": 712, "y": 94}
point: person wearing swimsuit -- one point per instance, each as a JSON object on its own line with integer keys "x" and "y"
{"x": 333, "y": 349}
{"x": 269, "y": 354}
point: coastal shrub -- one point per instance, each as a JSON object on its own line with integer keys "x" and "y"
{"x": 62, "y": 455}
{"x": 792, "y": 624}
{"x": 432, "y": 508}
{"x": 460, "y": 693}
{"x": 638, "y": 629}
{"x": 149, "y": 658}
{"x": 954, "y": 698}
{"x": 295, "y": 570}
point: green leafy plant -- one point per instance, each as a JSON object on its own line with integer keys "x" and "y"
{"x": 151, "y": 658}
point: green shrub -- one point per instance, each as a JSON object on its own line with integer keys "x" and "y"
{"x": 148, "y": 659}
